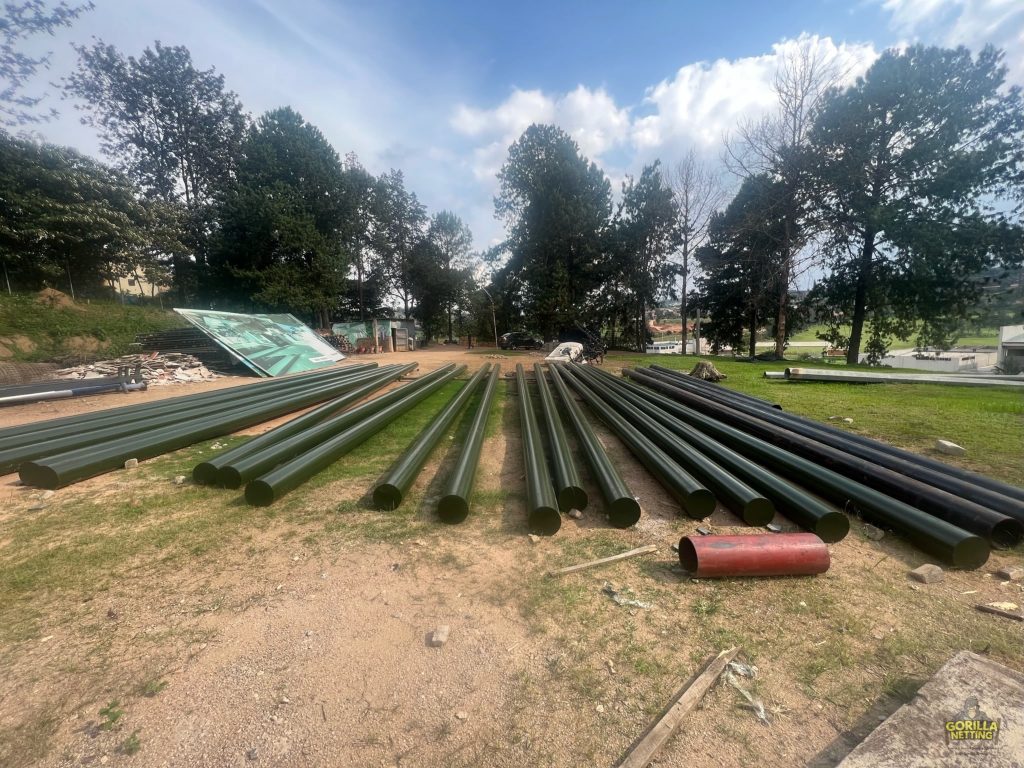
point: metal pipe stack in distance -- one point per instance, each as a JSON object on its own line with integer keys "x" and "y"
{"x": 541, "y": 505}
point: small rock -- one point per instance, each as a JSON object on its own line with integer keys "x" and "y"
{"x": 104, "y": 760}
{"x": 774, "y": 527}
{"x": 847, "y": 420}
{"x": 275, "y": 719}
{"x": 872, "y": 532}
{"x": 534, "y": 538}
{"x": 599, "y": 707}
{"x": 285, "y": 700}
{"x": 1011, "y": 573}
{"x": 131, "y": 464}
{"x": 462, "y": 715}
{"x": 179, "y": 480}
{"x": 438, "y": 637}
{"x": 252, "y": 755}
{"x": 575, "y": 514}
{"x": 834, "y": 418}
{"x": 948, "y": 448}
{"x": 38, "y": 507}
{"x": 309, "y": 633}
{"x": 928, "y": 574}
{"x": 48, "y": 494}
{"x": 703, "y": 531}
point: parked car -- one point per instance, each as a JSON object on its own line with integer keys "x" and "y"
{"x": 519, "y": 340}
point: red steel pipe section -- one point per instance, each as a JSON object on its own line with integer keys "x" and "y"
{"x": 774, "y": 554}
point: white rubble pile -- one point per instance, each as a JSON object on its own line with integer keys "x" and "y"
{"x": 158, "y": 368}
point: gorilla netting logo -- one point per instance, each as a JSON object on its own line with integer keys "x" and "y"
{"x": 972, "y": 725}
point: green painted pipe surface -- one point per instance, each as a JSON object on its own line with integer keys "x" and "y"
{"x": 207, "y": 472}
{"x": 453, "y": 506}
{"x": 245, "y": 468}
{"x": 568, "y": 487}
{"x": 541, "y": 505}
{"x": 621, "y": 506}
{"x": 947, "y": 542}
{"x": 264, "y": 490}
{"x": 752, "y": 506}
{"x": 69, "y": 467}
{"x": 696, "y": 500}
{"x": 22, "y": 434}
{"x": 11, "y": 458}
{"x": 390, "y": 491}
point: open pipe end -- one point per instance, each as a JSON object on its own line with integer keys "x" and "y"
{"x": 387, "y": 496}
{"x": 758, "y": 512}
{"x": 452, "y": 509}
{"x": 38, "y": 475}
{"x": 687, "y": 555}
{"x": 545, "y": 521}
{"x": 259, "y": 493}
{"x": 700, "y": 504}
{"x": 970, "y": 553}
{"x": 572, "y": 497}
{"x": 1007, "y": 534}
{"x": 205, "y": 473}
{"x": 832, "y": 527}
{"x": 622, "y": 513}
{"x": 229, "y": 477}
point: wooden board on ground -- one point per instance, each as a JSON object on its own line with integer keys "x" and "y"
{"x": 610, "y": 559}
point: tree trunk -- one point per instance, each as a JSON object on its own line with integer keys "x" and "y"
{"x": 682, "y": 303}
{"x": 860, "y": 297}
{"x": 753, "y": 334}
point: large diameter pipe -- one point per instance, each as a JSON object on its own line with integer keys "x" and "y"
{"x": 266, "y": 489}
{"x": 1000, "y": 529}
{"x": 778, "y": 554}
{"x": 870, "y": 451}
{"x": 541, "y": 504}
{"x": 237, "y": 472}
{"x": 864, "y": 377}
{"x": 11, "y": 436}
{"x": 802, "y": 508}
{"x": 753, "y": 507}
{"x": 945, "y": 541}
{"x": 64, "y": 468}
{"x": 453, "y": 506}
{"x": 390, "y": 491}
{"x": 621, "y": 507}
{"x": 694, "y": 499}
{"x": 568, "y": 487}
{"x": 207, "y": 472}
{"x": 713, "y": 389}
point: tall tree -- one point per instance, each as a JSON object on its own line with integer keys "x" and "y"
{"x": 400, "y": 220}
{"x": 19, "y": 22}
{"x": 171, "y": 127}
{"x": 556, "y": 206}
{"x": 908, "y": 160}
{"x": 357, "y": 227}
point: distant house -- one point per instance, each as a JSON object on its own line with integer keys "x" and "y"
{"x": 1011, "y": 346}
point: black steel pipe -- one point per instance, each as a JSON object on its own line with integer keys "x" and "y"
{"x": 207, "y": 472}
{"x": 240, "y": 470}
{"x": 621, "y": 506}
{"x": 1000, "y": 529}
{"x": 390, "y": 491}
{"x": 541, "y": 504}
{"x": 714, "y": 390}
{"x": 264, "y": 490}
{"x": 948, "y": 542}
{"x": 568, "y": 487}
{"x": 69, "y": 467}
{"x": 802, "y": 508}
{"x": 453, "y": 506}
{"x": 752, "y": 506}
{"x": 696, "y": 500}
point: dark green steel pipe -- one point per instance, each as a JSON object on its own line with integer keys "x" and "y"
{"x": 206, "y": 472}
{"x": 11, "y": 436}
{"x": 244, "y": 468}
{"x": 799, "y": 506}
{"x": 396, "y": 483}
{"x": 13, "y": 457}
{"x": 948, "y": 542}
{"x": 568, "y": 487}
{"x": 454, "y": 504}
{"x": 696, "y": 500}
{"x": 266, "y": 489}
{"x": 716, "y": 390}
{"x": 69, "y": 467}
{"x": 621, "y": 506}
{"x": 753, "y": 507}
{"x": 541, "y": 504}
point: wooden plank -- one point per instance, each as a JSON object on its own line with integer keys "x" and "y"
{"x": 612, "y": 559}
{"x": 644, "y": 749}
{"x": 1000, "y": 612}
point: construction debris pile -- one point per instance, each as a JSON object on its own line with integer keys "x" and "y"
{"x": 156, "y": 368}
{"x": 190, "y": 342}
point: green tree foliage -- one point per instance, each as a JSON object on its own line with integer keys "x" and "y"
{"x": 19, "y": 22}
{"x": 280, "y": 241}
{"x": 172, "y": 128}
{"x": 908, "y": 161}
{"x": 400, "y": 219}
{"x": 441, "y": 273}
{"x": 556, "y": 206}
{"x": 65, "y": 219}
{"x": 358, "y": 227}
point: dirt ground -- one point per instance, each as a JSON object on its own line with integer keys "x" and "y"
{"x": 298, "y": 635}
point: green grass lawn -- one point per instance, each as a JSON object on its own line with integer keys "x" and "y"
{"x": 988, "y": 337}
{"x": 989, "y": 423}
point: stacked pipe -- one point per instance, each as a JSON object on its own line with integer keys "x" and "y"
{"x": 953, "y": 528}
{"x": 541, "y": 504}
{"x": 568, "y": 488}
{"x": 55, "y": 453}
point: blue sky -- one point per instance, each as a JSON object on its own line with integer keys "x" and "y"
{"x": 440, "y": 89}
